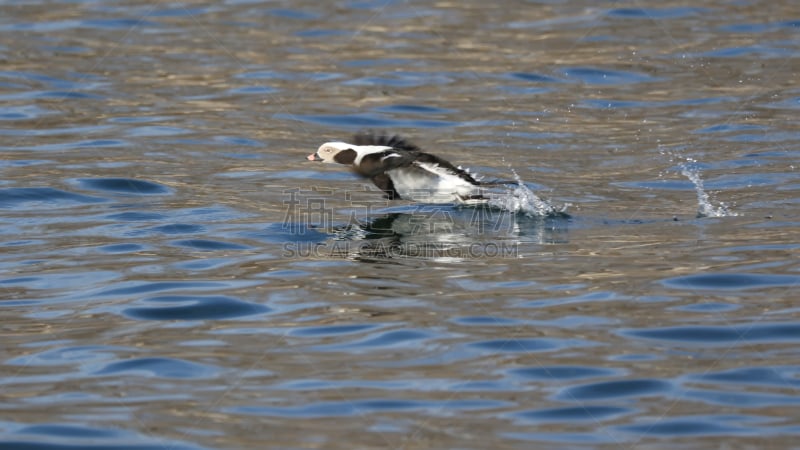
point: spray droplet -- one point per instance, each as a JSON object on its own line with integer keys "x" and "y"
{"x": 705, "y": 206}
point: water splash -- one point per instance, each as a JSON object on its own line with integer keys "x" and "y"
{"x": 705, "y": 204}
{"x": 520, "y": 199}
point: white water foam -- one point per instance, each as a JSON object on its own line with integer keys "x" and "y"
{"x": 520, "y": 199}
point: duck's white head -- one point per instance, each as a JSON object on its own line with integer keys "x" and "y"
{"x": 335, "y": 152}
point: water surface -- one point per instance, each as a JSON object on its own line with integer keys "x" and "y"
{"x": 175, "y": 274}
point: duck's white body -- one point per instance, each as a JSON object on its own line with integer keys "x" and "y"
{"x": 430, "y": 183}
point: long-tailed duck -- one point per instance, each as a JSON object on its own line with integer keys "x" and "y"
{"x": 403, "y": 171}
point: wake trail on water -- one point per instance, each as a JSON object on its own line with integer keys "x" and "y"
{"x": 520, "y": 199}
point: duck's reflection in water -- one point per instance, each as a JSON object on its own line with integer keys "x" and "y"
{"x": 442, "y": 232}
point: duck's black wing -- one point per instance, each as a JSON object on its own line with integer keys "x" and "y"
{"x": 384, "y": 183}
{"x": 427, "y": 158}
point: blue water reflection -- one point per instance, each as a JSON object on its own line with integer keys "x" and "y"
{"x": 178, "y": 307}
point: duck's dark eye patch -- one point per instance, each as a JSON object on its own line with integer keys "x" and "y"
{"x": 345, "y": 156}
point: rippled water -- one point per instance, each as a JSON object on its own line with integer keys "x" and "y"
{"x": 175, "y": 274}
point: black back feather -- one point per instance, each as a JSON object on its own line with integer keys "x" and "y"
{"x": 394, "y": 141}
{"x": 413, "y": 152}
